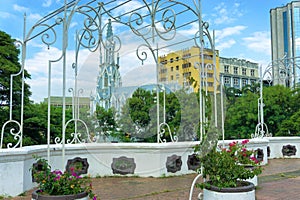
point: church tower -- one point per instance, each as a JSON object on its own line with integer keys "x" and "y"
{"x": 109, "y": 76}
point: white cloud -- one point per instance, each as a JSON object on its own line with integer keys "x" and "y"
{"x": 225, "y": 15}
{"x": 47, "y": 3}
{"x": 259, "y": 42}
{"x": 132, "y": 5}
{"x": 225, "y": 44}
{"x": 224, "y": 38}
{"x": 5, "y": 15}
{"x": 38, "y": 67}
{"x": 229, "y": 31}
{"x": 18, "y": 8}
{"x": 33, "y": 17}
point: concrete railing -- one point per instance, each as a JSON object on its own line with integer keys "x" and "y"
{"x": 105, "y": 159}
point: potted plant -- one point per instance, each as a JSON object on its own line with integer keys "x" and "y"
{"x": 60, "y": 185}
{"x": 226, "y": 170}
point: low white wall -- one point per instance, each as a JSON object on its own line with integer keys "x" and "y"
{"x": 276, "y": 145}
{"x": 150, "y": 158}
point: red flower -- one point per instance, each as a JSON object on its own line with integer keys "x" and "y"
{"x": 232, "y": 144}
{"x": 245, "y": 142}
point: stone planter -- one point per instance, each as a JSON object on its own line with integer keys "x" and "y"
{"x": 245, "y": 192}
{"x": 81, "y": 196}
{"x": 251, "y": 180}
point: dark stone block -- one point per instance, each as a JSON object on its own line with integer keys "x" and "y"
{"x": 173, "y": 163}
{"x": 193, "y": 162}
{"x": 80, "y": 165}
{"x": 268, "y": 151}
{"x": 123, "y": 165}
{"x": 260, "y": 154}
{"x": 289, "y": 150}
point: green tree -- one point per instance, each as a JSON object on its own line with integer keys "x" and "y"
{"x": 9, "y": 65}
{"x": 278, "y": 106}
{"x": 36, "y": 123}
{"x": 241, "y": 117}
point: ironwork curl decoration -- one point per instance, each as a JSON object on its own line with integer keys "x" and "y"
{"x": 138, "y": 21}
{"x": 92, "y": 25}
{"x": 205, "y": 34}
{"x": 49, "y": 37}
{"x": 168, "y": 22}
{"x": 75, "y": 137}
{"x": 162, "y": 127}
{"x": 17, "y": 134}
{"x": 259, "y": 131}
{"x": 142, "y": 54}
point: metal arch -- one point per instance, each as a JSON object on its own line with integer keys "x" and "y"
{"x": 168, "y": 19}
{"x": 261, "y": 129}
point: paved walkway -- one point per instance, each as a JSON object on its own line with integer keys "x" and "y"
{"x": 280, "y": 180}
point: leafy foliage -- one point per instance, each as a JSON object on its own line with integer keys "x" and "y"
{"x": 281, "y": 113}
{"x": 36, "y": 123}
{"x": 9, "y": 63}
{"x": 58, "y": 183}
{"x": 225, "y": 167}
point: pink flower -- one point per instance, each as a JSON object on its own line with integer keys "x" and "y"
{"x": 57, "y": 172}
{"x": 245, "y": 142}
{"x": 254, "y": 159}
{"x": 232, "y": 144}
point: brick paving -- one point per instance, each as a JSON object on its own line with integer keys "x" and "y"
{"x": 280, "y": 180}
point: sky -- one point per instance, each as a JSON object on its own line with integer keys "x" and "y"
{"x": 241, "y": 27}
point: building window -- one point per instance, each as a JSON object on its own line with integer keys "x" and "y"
{"x": 226, "y": 68}
{"x": 244, "y": 71}
{"x": 105, "y": 80}
{"x": 177, "y": 67}
{"x": 227, "y": 80}
{"x": 186, "y": 65}
{"x": 171, "y": 60}
{"x": 172, "y": 69}
{"x": 172, "y": 77}
{"x": 187, "y": 55}
{"x": 244, "y": 82}
{"x": 210, "y": 84}
{"x": 252, "y": 72}
{"x": 163, "y": 70}
{"x": 235, "y": 81}
{"x": 210, "y": 75}
{"x": 177, "y": 58}
{"x": 235, "y": 70}
{"x": 177, "y": 76}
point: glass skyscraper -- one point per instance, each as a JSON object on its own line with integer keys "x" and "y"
{"x": 285, "y": 41}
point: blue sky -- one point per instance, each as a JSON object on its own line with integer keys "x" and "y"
{"x": 242, "y": 29}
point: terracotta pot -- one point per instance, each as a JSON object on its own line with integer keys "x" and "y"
{"x": 37, "y": 196}
{"x": 245, "y": 192}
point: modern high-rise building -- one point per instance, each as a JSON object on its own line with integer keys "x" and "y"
{"x": 285, "y": 41}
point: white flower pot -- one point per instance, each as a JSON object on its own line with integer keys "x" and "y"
{"x": 238, "y": 193}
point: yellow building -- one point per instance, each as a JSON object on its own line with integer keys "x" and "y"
{"x": 182, "y": 67}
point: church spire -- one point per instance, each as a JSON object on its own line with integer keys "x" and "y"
{"x": 109, "y": 33}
